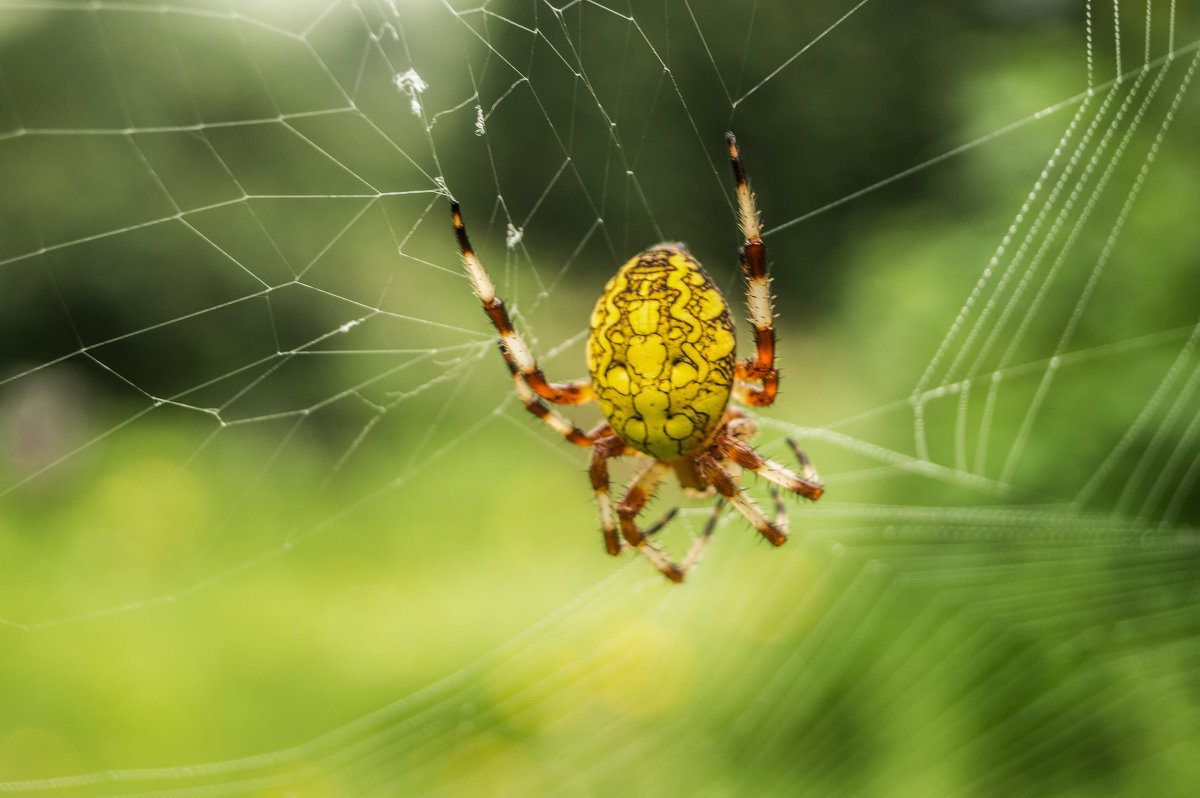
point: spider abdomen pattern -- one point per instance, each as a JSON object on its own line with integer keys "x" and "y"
{"x": 661, "y": 353}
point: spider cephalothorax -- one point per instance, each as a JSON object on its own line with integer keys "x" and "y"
{"x": 663, "y": 368}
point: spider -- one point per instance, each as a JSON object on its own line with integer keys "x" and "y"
{"x": 663, "y": 370}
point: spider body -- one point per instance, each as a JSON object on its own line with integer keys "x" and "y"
{"x": 661, "y": 353}
{"x": 662, "y": 365}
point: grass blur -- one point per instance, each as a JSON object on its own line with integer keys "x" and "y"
{"x": 267, "y": 505}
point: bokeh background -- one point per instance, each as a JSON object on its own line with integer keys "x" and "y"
{"x": 272, "y": 523}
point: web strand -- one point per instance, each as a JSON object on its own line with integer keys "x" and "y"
{"x": 262, "y": 467}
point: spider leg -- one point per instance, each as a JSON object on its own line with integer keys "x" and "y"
{"x": 557, "y": 421}
{"x": 744, "y": 455}
{"x": 723, "y": 481}
{"x": 636, "y": 496}
{"x": 693, "y": 555}
{"x": 748, "y": 394}
{"x": 660, "y": 523}
{"x": 513, "y": 347}
{"x": 605, "y": 449}
{"x": 739, "y": 425}
{"x": 810, "y": 473}
{"x": 753, "y": 255}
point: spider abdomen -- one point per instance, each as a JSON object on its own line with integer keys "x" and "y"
{"x": 661, "y": 353}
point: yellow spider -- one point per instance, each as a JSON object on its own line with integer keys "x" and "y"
{"x": 663, "y": 369}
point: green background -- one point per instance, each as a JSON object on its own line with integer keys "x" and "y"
{"x": 273, "y": 523}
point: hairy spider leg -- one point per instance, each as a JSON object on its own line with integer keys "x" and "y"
{"x": 753, "y": 255}
{"x": 693, "y": 555}
{"x": 603, "y": 450}
{"x": 745, "y": 456}
{"x": 740, "y": 429}
{"x": 530, "y": 383}
{"x": 810, "y": 473}
{"x": 632, "y": 504}
{"x": 725, "y": 484}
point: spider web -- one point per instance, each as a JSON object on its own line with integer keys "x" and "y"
{"x": 272, "y": 521}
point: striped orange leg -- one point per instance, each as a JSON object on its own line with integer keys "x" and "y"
{"x": 632, "y": 504}
{"x": 745, "y": 456}
{"x": 605, "y": 449}
{"x": 693, "y": 555}
{"x": 724, "y": 482}
{"x": 810, "y": 473}
{"x": 530, "y": 383}
{"x": 758, "y": 296}
{"x": 557, "y": 421}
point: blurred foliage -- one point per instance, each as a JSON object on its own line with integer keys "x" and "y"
{"x": 262, "y": 491}
{"x": 169, "y": 72}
